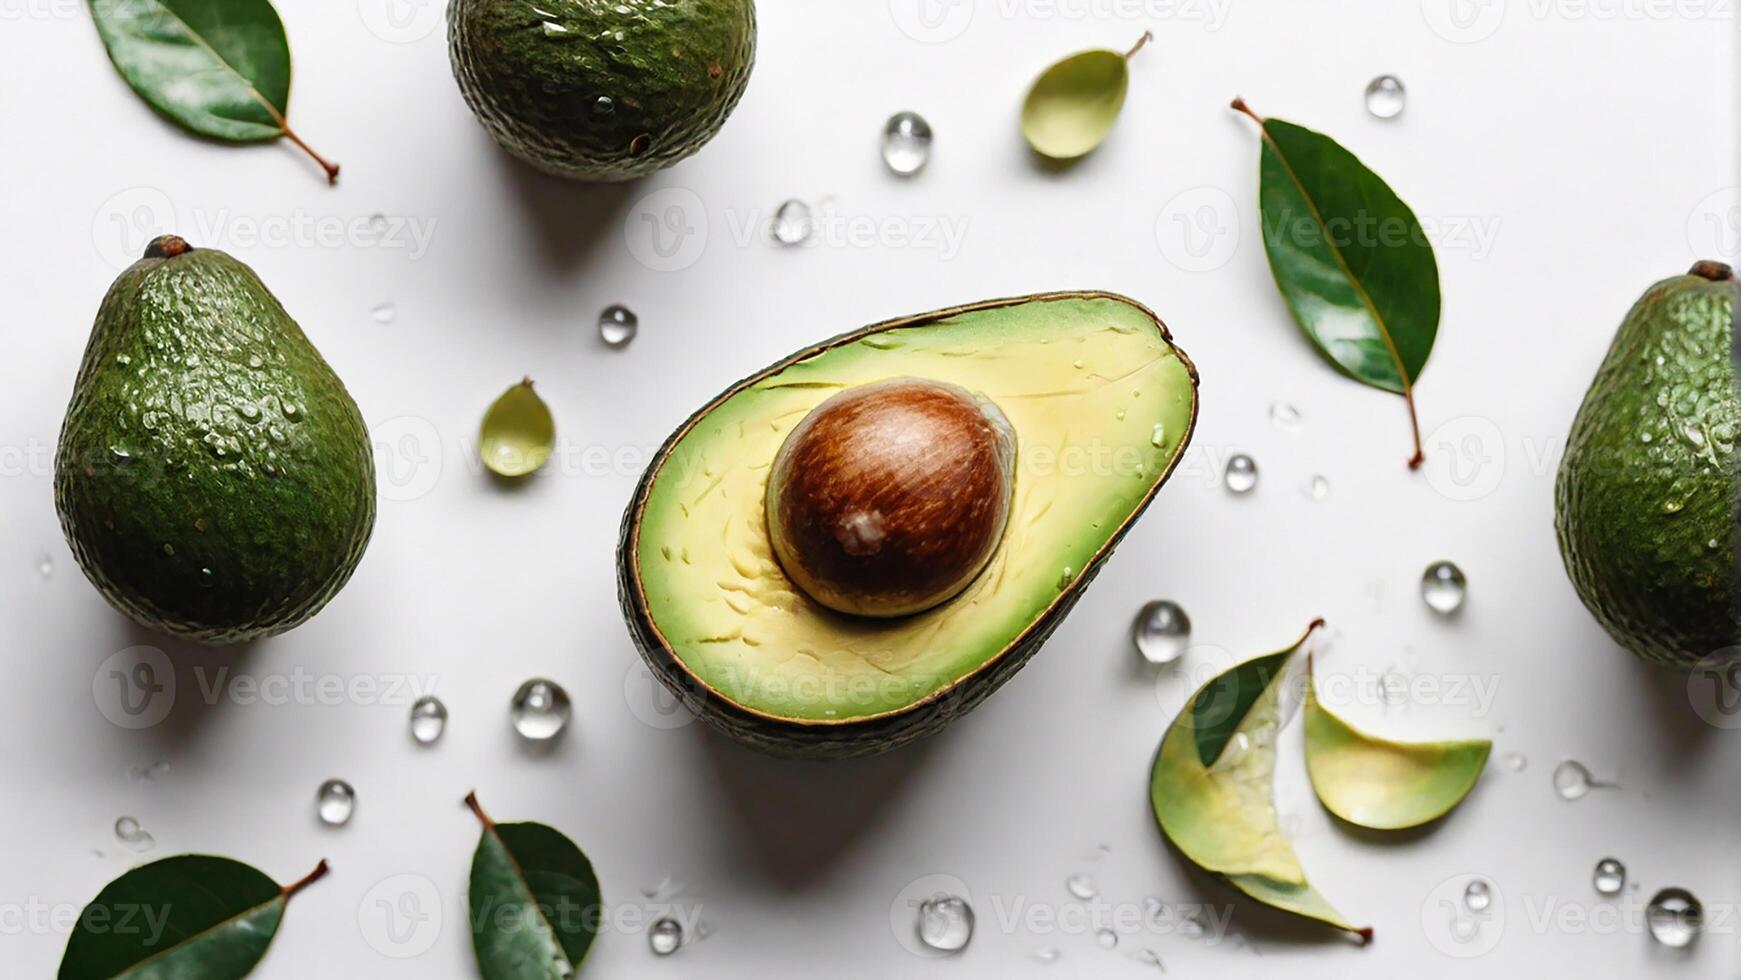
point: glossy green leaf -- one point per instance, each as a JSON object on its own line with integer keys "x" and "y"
{"x": 1212, "y": 786}
{"x": 518, "y": 434}
{"x": 1351, "y": 259}
{"x": 191, "y": 917}
{"x": 1384, "y": 785}
{"x": 535, "y": 902}
{"x": 1073, "y": 105}
{"x": 219, "y": 68}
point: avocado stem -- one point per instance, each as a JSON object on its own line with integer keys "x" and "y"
{"x": 1141, "y": 42}
{"x": 318, "y": 873}
{"x": 167, "y": 247}
{"x": 332, "y": 169}
{"x": 1712, "y": 270}
{"x": 1239, "y": 105}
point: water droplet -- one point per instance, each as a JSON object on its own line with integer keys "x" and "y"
{"x": 1081, "y": 886}
{"x": 792, "y": 223}
{"x": 385, "y": 313}
{"x": 664, "y": 936}
{"x": 1106, "y": 938}
{"x": 1444, "y": 587}
{"x": 1610, "y": 876}
{"x": 291, "y": 412}
{"x": 540, "y": 710}
{"x": 1385, "y": 97}
{"x": 377, "y": 223}
{"x": 945, "y": 923}
{"x": 1190, "y": 925}
{"x": 428, "y": 719}
{"x": 45, "y": 565}
{"x": 335, "y": 802}
{"x": 1319, "y": 488}
{"x": 1048, "y": 955}
{"x": 1158, "y": 436}
{"x": 255, "y": 362}
{"x": 1516, "y": 761}
{"x": 1675, "y": 917}
{"x": 123, "y": 359}
{"x": 617, "y": 325}
{"x": 604, "y": 105}
{"x": 1571, "y": 780}
{"x": 1149, "y": 957}
{"x": 1286, "y": 417}
{"x": 128, "y": 830}
{"x": 1161, "y": 631}
{"x": 1477, "y": 896}
{"x": 1241, "y": 473}
{"x": 906, "y": 143}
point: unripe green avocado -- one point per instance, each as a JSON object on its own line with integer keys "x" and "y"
{"x": 214, "y": 478}
{"x": 602, "y": 91}
{"x": 1648, "y": 494}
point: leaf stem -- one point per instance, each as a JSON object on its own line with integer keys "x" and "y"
{"x": 318, "y": 873}
{"x": 1239, "y": 105}
{"x": 471, "y": 800}
{"x": 1141, "y": 43}
{"x": 332, "y": 169}
{"x": 1420, "y": 455}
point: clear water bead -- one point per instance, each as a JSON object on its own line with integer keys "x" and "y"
{"x": 1478, "y": 896}
{"x": 335, "y": 802}
{"x": 1286, "y": 417}
{"x": 1675, "y": 917}
{"x": 793, "y": 223}
{"x": 1610, "y": 876}
{"x": 1241, "y": 473}
{"x": 1048, "y": 955}
{"x": 385, "y": 313}
{"x": 1386, "y": 97}
{"x": 45, "y": 566}
{"x": 1081, "y": 886}
{"x": 1161, "y": 632}
{"x": 617, "y": 325}
{"x": 1319, "y": 488}
{"x": 128, "y": 830}
{"x": 906, "y": 143}
{"x": 1444, "y": 588}
{"x": 428, "y": 719}
{"x": 540, "y": 710}
{"x": 945, "y": 923}
{"x": 1572, "y": 781}
{"x": 664, "y": 936}
{"x": 1106, "y": 938}
{"x": 1516, "y": 761}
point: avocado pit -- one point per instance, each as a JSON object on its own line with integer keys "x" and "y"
{"x": 889, "y": 498}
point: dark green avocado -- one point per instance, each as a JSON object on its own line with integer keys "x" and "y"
{"x": 602, "y": 91}
{"x": 1649, "y": 494}
{"x": 1100, "y": 404}
{"x": 214, "y": 478}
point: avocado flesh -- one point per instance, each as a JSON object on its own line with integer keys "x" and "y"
{"x": 1102, "y": 406}
{"x": 602, "y": 91}
{"x": 1647, "y": 495}
{"x": 214, "y": 479}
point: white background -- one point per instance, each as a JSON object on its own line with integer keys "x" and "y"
{"x": 1595, "y": 153}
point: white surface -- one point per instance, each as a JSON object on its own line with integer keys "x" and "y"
{"x": 1589, "y": 147}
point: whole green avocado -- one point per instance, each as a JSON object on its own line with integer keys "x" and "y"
{"x": 602, "y": 91}
{"x": 1649, "y": 495}
{"x": 214, "y": 478}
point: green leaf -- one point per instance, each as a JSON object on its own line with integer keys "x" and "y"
{"x": 518, "y": 434}
{"x": 1073, "y": 105}
{"x": 1212, "y": 786}
{"x": 191, "y": 917}
{"x": 218, "y": 68}
{"x": 1352, "y": 261}
{"x": 1383, "y": 785}
{"x": 535, "y": 902}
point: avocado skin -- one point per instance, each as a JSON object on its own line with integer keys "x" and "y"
{"x": 872, "y": 736}
{"x": 673, "y": 70}
{"x": 1651, "y": 576}
{"x": 190, "y": 517}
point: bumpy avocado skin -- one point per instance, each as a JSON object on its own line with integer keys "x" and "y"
{"x": 1646, "y": 500}
{"x": 214, "y": 478}
{"x": 602, "y": 91}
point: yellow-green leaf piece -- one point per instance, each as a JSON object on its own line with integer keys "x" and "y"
{"x": 518, "y": 433}
{"x": 1073, "y": 105}
{"x": 1383, "y": 785}
{"x": 1212, "y": 787}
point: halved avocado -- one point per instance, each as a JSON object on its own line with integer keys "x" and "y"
{"x": 1102, "y": 406}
